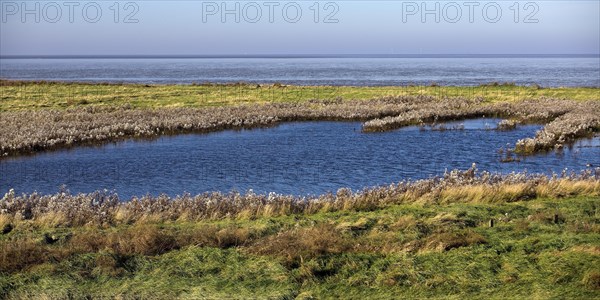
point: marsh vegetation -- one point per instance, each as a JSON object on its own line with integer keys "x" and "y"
{"x": 98, "y": 121}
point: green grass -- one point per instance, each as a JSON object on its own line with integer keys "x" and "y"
{"x": 24, "y": 96}
{"x": 389, "y": 252}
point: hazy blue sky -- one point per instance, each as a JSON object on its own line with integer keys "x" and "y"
{"x": 363, "y": 27}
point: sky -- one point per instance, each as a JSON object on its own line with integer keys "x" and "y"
{"x": 155, "y": 27}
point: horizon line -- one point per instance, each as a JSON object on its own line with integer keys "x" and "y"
{"x": 166, "y": 56}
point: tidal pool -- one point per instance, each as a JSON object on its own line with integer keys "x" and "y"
{"x": 292, "y": 158}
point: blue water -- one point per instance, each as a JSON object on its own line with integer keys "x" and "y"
{"x": 464, "y": 71}
{"x": 292, "y": 158}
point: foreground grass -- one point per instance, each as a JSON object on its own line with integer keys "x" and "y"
{"x": 47, "y": 95}
{"x": 426, "y": 239}
{"x": 399, "y": 251}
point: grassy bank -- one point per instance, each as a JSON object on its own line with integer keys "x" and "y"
{"x": 20, "y": 95}
{"x": 466, "y": 234}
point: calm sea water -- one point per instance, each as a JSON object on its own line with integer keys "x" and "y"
{"x": 292, "y": 158}
{"x": 545, "y": 71}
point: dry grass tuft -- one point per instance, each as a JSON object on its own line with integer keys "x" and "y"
{"x": 449, "y": 240}
{"x": 591, "y": 279}
{"x": 593, "y": 250}
{"x": 17, "y": 254}
{"x": 297, "y": 245}
{"x": 141, "y": 239}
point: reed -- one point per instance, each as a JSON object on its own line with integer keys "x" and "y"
{"x": 580, "y": 122}
{"x": 103, "y": 208}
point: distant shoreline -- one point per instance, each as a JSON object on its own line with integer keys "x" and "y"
{"x": 6, "y": 81}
